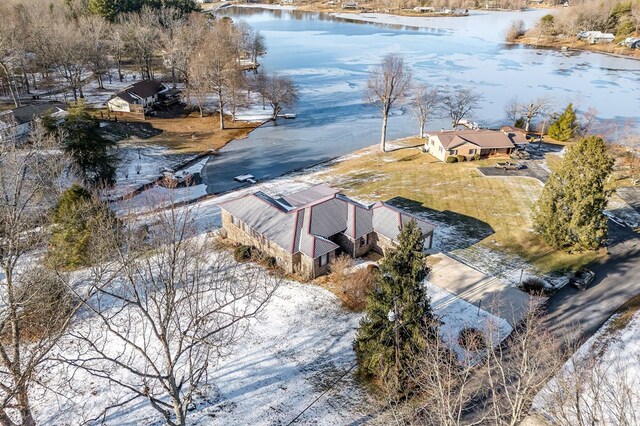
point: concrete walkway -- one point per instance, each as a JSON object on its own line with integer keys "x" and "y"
{"x": 476, "y": 288}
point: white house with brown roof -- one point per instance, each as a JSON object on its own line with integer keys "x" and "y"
{"x": 138, "y": 98}
{"x": 469, "y": 143}
{"x": 306, "y": 230}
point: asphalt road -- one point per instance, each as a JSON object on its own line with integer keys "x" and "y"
{"x": 575, "y": 315}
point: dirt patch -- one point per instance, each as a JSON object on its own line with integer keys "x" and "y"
{"x": 181, "y": 130}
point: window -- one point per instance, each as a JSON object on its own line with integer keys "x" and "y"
{"x": 472, "y": 151}
{"x": 440, "y": 148}
{"x": 324, "y": 259}
{"x": 235, "y": 221}
{"x": 453, "y": 151}
{"x": 364, "y": 240}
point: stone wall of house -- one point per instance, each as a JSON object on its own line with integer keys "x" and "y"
{"x": 324, "y": 269}
{"x": 345, "y": 243}
{"x": 362, "y": 249}
{"x": 381, "y": 243}
{"x": 284, "y": 259}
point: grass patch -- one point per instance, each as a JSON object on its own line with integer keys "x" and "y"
{"x": 624, "y": 315}
{"x": 504, "y": 204}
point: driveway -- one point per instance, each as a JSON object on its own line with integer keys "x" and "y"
{"x": 575, "y": 315}
{"x": 631, "y": 194}
{"x": 476, "y": 288}
{"x": 531, "y": 169}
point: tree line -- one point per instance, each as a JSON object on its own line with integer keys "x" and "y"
{"x": 209, "y": 56}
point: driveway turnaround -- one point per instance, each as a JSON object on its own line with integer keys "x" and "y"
{"x": 531, "y": 169}
{"x": 474, "y": 287}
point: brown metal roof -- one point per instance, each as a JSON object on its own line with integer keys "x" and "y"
{"x": 488, "y": 139}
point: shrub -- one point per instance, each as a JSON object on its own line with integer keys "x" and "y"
{"x": 79, "y": 222}
{"x": 340, "y": 265}
{"x": 476, "y": 157}
{"x": 242, "y": 253}
{"x": 461, "y": 158}
{"x": 472, "y": 339}
{"x": 533, "y": 285}
{"x": 356, "y": 286}
{"x": 45, "y": 304}
{"x": 515, "y": 31}
{"x": 452, "y": 160}
{"x": 270, "y": 262}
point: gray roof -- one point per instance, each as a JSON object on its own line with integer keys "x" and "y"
{"x": 26, "y": 113}
{"x": 141, "y": 90}
{"x": 304, "y": 221}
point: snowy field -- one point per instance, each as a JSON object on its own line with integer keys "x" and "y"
{"x": 608, "y": 365}
{"x": 299, "y": 350}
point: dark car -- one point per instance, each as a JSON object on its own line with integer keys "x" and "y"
{"x": 582, "y": 278}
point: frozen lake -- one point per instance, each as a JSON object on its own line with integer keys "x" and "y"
{"x": 329, "y": 59}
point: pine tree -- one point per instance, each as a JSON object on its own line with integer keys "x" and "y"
{"x": 399, "y": 322}
{"x": 569, "y": 214}
{"x": 92, "y": 153}
{"x": 74, "y": 219}
{"x": 566, "y": 126}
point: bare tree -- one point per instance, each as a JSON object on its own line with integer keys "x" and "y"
{"x": 117, "y": 46}
{"x": 95, "y": 30}
{"x": 166, "y": 309}
{"x": 389, "y": 82}
{"x": 69, "y": 51}
{"x": 589, "y": 391}
{"x": 527, "y": 111}
{"x": 447, "y": 384}
{"x": 423, "y": 103}
{"x": 518, "y": 368}
{"x": 10, "y": 52}
{"x": 459, "y": 104}
{"x": 142, "y": 38}
{"x": 172, "y": 41}
{"x": 30, "y": 179}
{"x": 281, "y": 92}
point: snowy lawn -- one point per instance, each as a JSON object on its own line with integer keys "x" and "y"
{"x": 609, "y": 366}
{"x": 297, "y": 355}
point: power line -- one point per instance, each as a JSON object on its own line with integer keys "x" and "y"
{"x": 322, "y": 394}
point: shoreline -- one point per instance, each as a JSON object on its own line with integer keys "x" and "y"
{"x": 566, "y": 46}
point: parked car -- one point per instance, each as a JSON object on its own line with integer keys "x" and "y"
{"x": 508, "y": 165}
{"x": 582, "y": 278}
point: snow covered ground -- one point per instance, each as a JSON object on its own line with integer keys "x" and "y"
{"x": 297, "y": 355}
{"x": 608, "y": 365}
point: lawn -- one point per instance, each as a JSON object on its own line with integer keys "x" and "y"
{"x": 504, "y": 204}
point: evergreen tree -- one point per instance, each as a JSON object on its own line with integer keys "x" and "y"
{"x": 398, "y": 323}
{"x": 75, "y": 219}
{"x": 91, "y": 152}
{"x": 569, "y": 214}
{"x": 566, "y": 126}
{"x": 110, "y": 9}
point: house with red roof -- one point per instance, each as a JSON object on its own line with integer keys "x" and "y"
{"x": 306, "y": 230}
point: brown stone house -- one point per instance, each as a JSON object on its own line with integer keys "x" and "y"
{"x": 306, "y": 230}
{"x": 482, "y": 142}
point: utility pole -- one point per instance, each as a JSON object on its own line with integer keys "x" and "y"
{"x": 397, "y": 338}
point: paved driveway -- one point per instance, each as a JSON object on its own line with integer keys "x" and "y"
{"x": 631, "y": 194}
{"x": 474, "y": 287}
{"x": 531, "y": 169}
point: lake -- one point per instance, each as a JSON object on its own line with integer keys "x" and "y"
{"x": 329, "y": 59}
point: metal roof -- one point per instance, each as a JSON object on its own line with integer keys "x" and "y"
{"x": 304, "y": 221}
